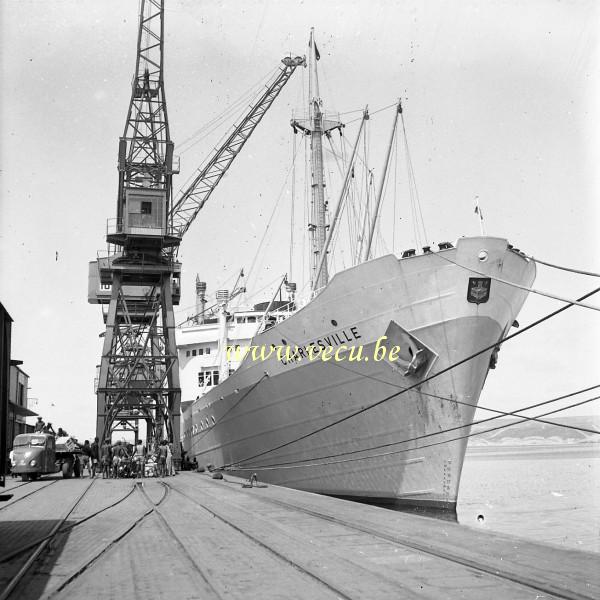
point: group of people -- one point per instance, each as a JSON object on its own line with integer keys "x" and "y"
{"x": 112, "y": 458}
{"x": 105, "y": 459}
{"x": 126, "y": 460}
{"x": 123, "y": 459}
{"x": 90, "y": 457}
{"x": 164, "y": 459}
{"x": 41, "y": 427}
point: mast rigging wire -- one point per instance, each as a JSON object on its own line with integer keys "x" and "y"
{"x": 293, "y": 206}
{"x": 371, "y": 113}
{"x": 218, "y": 120}
{"x": 413, "y": 191}
{"x": 395, "y": 196}
{"x": 419, "y": 383}
{"x": 267, "y": 229}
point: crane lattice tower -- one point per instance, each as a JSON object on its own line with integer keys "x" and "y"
{"x": 138, "y": 278}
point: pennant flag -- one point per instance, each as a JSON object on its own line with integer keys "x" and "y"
{"x": 317, "y": 55}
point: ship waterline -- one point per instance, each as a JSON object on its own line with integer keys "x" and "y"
{"x": 291, "y": 422}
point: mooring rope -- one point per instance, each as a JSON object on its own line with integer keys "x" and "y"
{"x": 569, "y": 269}
{"x": 404, "y": 450}
{"x": 516, "y": 413}
{"x": 396, "y": 394}
{"x": 518, "y": 285}
{"x": 194, "y": 442}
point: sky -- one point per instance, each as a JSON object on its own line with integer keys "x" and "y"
{"x": 500, "y": 103}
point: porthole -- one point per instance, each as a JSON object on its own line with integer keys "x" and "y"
{"x": 334, "y": 322}
{"x": 482, "y": 256}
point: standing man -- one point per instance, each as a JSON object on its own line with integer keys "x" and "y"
{"x": 170, "y": 469}
{"x": 162, "y": 459}
{"x": 116, "y": 459}
{"x": 86, "y": 449}
{"x": 95, "y": 456}
{"x": 107, "y": 455}
{"x": 139, "y": 455}
{"x": 11, "y": 458}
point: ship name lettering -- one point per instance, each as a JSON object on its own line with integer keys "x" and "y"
{"x": 324, "y": 347}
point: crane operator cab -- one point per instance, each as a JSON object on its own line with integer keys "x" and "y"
{"x": 145, "y": 212}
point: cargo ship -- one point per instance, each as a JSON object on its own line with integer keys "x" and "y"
{"x": 363, "y": 391}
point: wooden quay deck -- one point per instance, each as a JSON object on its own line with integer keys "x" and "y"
{"x": 191, "y": 536}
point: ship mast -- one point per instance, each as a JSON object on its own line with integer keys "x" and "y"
{"x": 316, "y": 126}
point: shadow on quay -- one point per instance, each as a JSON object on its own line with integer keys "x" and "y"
{"x": 18, "y": 541}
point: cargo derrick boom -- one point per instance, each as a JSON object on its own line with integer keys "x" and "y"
{"x": 139, "y": 277}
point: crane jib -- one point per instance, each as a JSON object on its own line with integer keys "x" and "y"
{"x": 191, "y": 200}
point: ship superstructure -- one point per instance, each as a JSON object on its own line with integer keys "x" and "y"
{"x": 212, "y": 346}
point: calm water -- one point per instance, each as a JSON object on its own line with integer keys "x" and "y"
{"x": 549, "y": 495}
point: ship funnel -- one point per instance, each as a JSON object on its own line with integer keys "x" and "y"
{"x": 200, "y": 300}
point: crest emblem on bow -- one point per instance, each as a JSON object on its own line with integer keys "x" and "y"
{"x": 478, "y": 291}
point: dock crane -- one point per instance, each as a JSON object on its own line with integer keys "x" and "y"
{"x": 138, "y": 277}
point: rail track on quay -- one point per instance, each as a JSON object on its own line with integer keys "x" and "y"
{"x": 494, "y": 570}
{"x": 215, "y": 539}
{"x": 62, "y": 528}
{"x": 26, "y": 566}
{"x": 13, "y": 501}
{"x": 268, "y": 548}
{"x": 154, "y": 508}
{"x": 38, "y": 546}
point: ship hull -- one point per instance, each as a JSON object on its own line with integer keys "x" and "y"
{"x": 371, "y": 430}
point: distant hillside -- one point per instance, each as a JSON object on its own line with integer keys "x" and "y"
{"x": 514, "y": 433}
